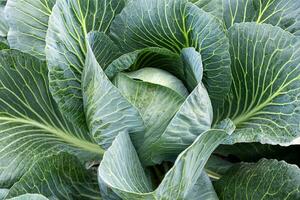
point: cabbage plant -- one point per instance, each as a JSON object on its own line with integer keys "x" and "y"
{"x": 149, "y": 99}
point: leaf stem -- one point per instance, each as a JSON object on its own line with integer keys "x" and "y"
{"x": 212, "y": 174}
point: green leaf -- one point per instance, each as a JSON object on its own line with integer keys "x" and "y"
{"x": 28, "y": 24}
{"x": 29, "y": 197}
{"x": 181, "y": 180}
{"x": 214, "y": 7}
{"x": 148, "y": 57}
{"x": 194, "y": 116}
{"x": 66, "y": 48}
{"x": 31, "y": 126}
{"x": 192, "y": 119}
{"x": 187, "y": 66}
{"x": 267, "y": 179}
{"x": 103, "y": 48}
{"x": 107, "y": 111}
{"x": 159, "y": 77}
{"x": 3, "y": 20}
{"x": 58, "y": 177}
{"x": 192, "y": 68}
{"x": 282, "y": 13}
{"x": 203, "y": 189}
{"x": 106, "y": 192}
{"x": 157, "y": 105}
{"x": 174, "y": 25}
{"x": 264, "y": 101}
{"x": 3, "y": 43}
{"x": 121, "y": 170}
{"x": 3, "y": 193}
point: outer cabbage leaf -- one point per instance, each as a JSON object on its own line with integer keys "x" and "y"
{"x": 103, "y": 48}
{"x": 3, "y": 43}
{"x": 264, "y": 98}
{"x": 282, "y": 13}
{"x": 267, "y": 179}
{"x": 203, "y": 189}
{"x": 59, "y": 176}
{"x": 106, "y": 192}
{"x": 3, "y": 21}
{"x": 28, "y": 24}
{"x": 31, "y": 125}
{"x": 107, "y": 111}
{"x": 214, "y": 7}
{"x": 29, "y": 197}
{"x": 121, "y": 168}
{"x": 124, "y": 174}
{"x": 174, "y": 25}
{"x": 66, "y": 48}
{"x": 3, "y": 193}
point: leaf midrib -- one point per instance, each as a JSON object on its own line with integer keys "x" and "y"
{"x": 65, "y": 136}
{"x": 248, "y": 115}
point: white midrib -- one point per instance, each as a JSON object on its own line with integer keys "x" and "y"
{"x": 66, "y": 137}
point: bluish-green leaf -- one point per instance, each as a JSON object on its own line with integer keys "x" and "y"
{"x": 3, "y": 43}
{"x": 3, "y": 20}
{"x": 29, "y": 197}
{"x": 3, "y": 193}
{"x": 192, "y": 119}
{"x": 66, "y": 48}
{"x": 267, "y": 179}
{"x": 192, "y": 68}
{"x": 106, "y": 192}
{"x": 214, "y": 7}
{"x": 159, "y": 77}
{"x": 107, "y": 111}
{"x": 282, "y": 13}
{"x": 122, "y": 171}
{"x": 264, "y": 98}
{"x": 203, "y": 189}
{"x": 28, "y": 24}
{"x": 148, "y": 57}
{"x": 31, "y": 125}
{"x": 60, "y": 177}
{"x": 157, "y": 105}
{"x": 103, "y": 48}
